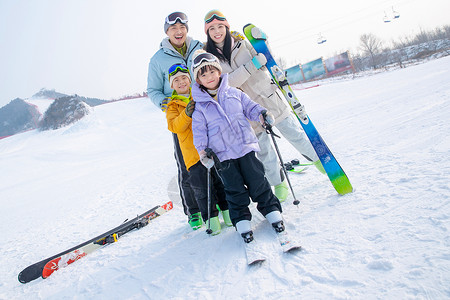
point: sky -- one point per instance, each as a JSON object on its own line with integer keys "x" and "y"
{"x": 102, "y": 48}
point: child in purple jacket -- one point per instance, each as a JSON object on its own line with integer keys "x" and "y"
{"x": 220, "y": 122}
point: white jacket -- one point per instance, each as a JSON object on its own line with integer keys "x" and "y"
{"x": 256, "y": 83}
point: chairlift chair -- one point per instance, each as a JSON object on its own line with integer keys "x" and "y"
{"x": 321, "y": 39}
{"x": 386, "y": 19}
{"x": 395, "y": 14}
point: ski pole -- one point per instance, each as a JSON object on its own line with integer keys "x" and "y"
{"x": 208, "y": 183}
{"x": 269, "y": 130}
{"x": 209, "y": 154}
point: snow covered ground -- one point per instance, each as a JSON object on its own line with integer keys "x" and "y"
{"x": 40, "y": 103}
{"x": 389, "y": 239}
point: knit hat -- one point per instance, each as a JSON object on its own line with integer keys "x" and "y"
{"x": 202, "y": 58}
{"x": 215, "y": 17}
{"x": 174, "y": 18}
{"x": 178, "y": 70}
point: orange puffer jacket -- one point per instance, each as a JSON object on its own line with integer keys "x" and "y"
{"x": 178, "y": 122}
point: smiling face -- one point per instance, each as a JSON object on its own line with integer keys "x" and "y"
{"x": 177, "y": 34}
{"x": 209, "y": 77}
{"x": 217, "y": 33}
{"x": 181, "y": 84}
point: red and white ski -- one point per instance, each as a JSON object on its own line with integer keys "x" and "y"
{"x": 47, "y": 266}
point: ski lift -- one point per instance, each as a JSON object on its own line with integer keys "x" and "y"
{"x": 395, "y": 14}
{"x": 386, "y": 19}
{"x": 321, "y": 39}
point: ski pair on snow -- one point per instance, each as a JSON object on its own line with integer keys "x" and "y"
{"x": 49, "y": 265}
{"x": 253, "y": 251}
{"x": 334, "y": 171}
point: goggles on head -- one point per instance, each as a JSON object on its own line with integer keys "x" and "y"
{"x": 175, "y": 17}
{"x": 178, "y": 68}
{"x": 203, "y": 57}
{"x": 214, "y": 14}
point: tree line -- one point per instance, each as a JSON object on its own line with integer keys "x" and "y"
{"x": 374, "y": 54}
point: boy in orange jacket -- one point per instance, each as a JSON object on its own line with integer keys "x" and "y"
{"x": 179, "y": 121}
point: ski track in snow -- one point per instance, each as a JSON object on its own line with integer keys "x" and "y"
{"x": 387, "y": 239}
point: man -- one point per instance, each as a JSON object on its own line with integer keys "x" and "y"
{"x": 177, "y": 47}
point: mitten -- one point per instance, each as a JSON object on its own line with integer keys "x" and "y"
{"x": 190, "y": 108}
{"x": 266, "y": 117}
{"x": 205, "y": 160}
{"x": 164, "y": 103}
{"x": 259, "y": 60}
{"x": 255, "y": 63}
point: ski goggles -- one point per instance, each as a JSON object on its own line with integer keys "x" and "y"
{"x": 214, "y": 14}
{"x": 175, "y": 17}
{"x": 203, "y": 57}
{"x": 178, "y": 68}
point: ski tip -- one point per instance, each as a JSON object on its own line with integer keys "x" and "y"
{"x": 249, "y": 24}
{"x": 21, "y": 279}
{"x": 256, "y": 262}
{"x": 293, "y": 249}
{"x": 28, "y": 274}
{"x": 167, "y": 206}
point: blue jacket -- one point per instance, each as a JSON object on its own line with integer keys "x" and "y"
{"x": 223, "y": 125}
{"x": 158, "y": 86}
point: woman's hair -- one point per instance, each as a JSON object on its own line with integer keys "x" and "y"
{"x": 225, "y": 55}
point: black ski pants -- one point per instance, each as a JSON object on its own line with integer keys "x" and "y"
{"x": 186, "y": 193}
{"x": 198, "y": 175}
{"x": 243, "y": 179}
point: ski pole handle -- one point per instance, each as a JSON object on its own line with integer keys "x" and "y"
{"x": 210, "y": 154}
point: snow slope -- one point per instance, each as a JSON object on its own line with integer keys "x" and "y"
{"x": 40, "y": 103}
{"x": 389, "y": 239}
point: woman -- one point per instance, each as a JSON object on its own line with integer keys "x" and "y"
{"x": 246, "y": 71}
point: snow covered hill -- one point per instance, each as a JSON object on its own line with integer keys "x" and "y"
{"x": 389, "y": 239}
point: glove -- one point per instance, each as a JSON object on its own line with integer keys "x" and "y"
{"x": 266, "y": 117}
{"x": 164, "y": 103}
{"x": 258, "y": 34}
{"x": 205, "y": 160}
{"x": 190, "y": 108}
{"x": 259, "y": 60}
{"x": 255, "y": 63}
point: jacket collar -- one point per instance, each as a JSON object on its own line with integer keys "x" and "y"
{"x": 166, "y": 46}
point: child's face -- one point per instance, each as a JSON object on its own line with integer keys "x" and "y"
{"x": 217, "y": 33}
{"x": 181, "y": 84}
{"x": 210, "y": 78}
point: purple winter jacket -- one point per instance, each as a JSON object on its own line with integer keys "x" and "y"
{"x": 223, "y": 125}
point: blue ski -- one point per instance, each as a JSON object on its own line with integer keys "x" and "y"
{"x": 334, "y": 171}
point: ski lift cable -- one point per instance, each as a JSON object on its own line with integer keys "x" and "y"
{"x": 331, "y": 21}
{"x": 274, "y": 44}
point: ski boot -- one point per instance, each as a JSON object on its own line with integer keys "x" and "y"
{"x": 281, "y": 191}
{"x": 214, "y": 225}
{"x": 195, "y": 221}
{"x": 319, "y": 167}
{"x": 226, "y": 218}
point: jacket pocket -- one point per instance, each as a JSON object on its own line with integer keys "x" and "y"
{"x": 216, "y": 141}
{"x": 247, "y": 133}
